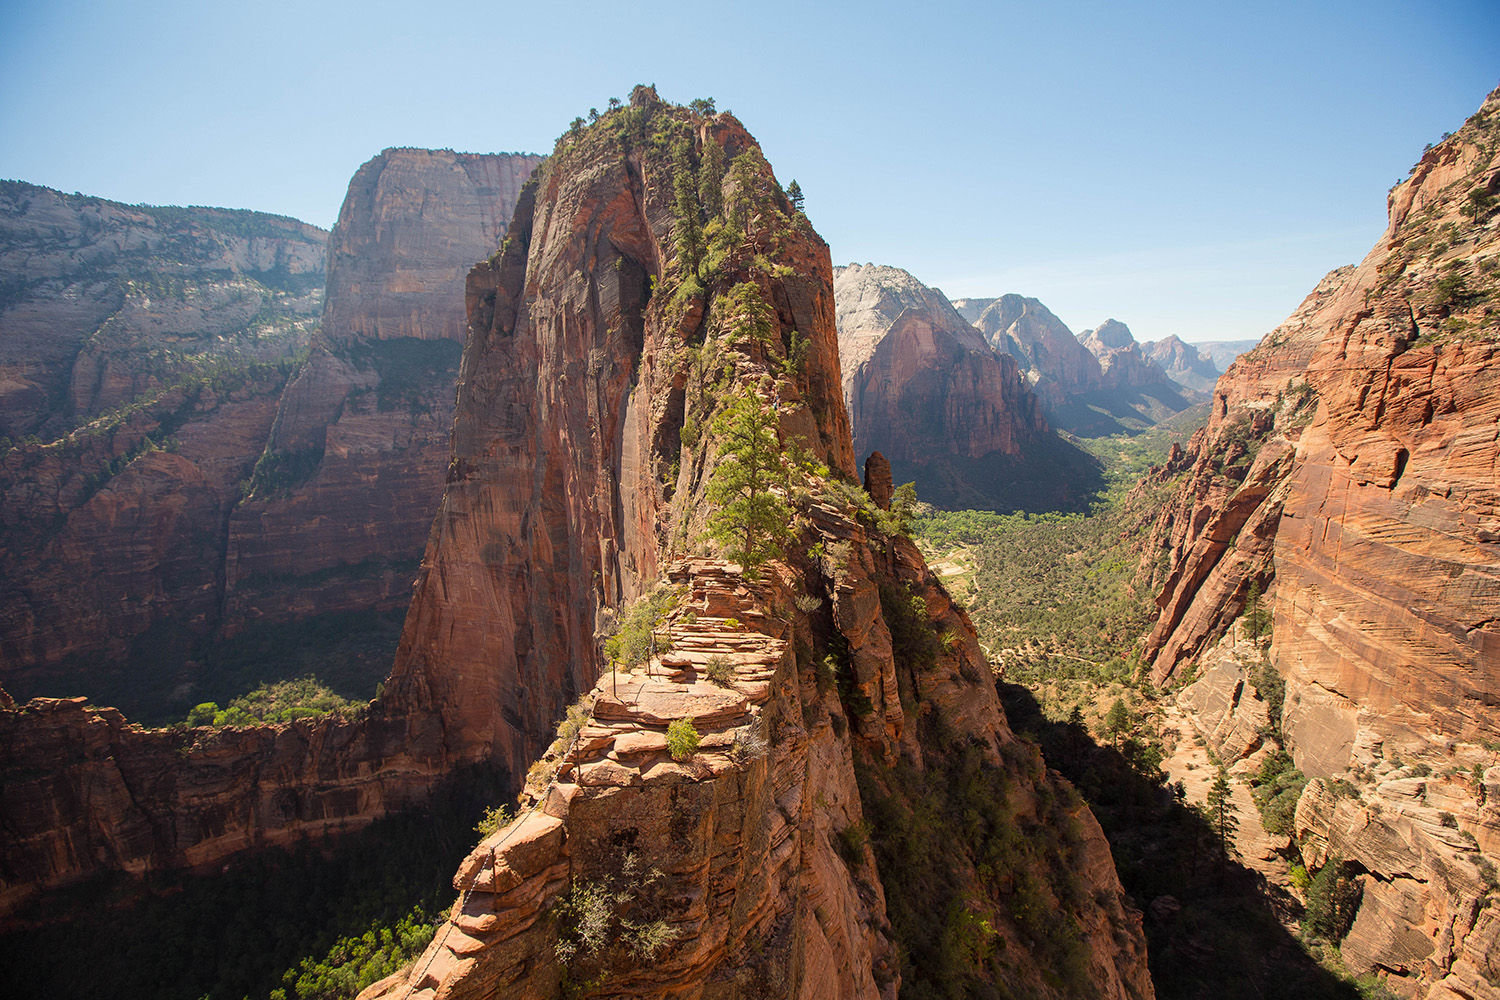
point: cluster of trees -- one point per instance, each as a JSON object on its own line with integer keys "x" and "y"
{"x": 282, "y": 701}
{"x": 1052, "y": 590}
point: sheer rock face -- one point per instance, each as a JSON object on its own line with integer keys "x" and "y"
{"x": 577, "y": 395}
{"x": 919, "y": 381}
{"x": 163, "y": 539}
{"x": 106, "y": 302}
{"x": 87, "y": 792}
{"x": 1052, "y": 359}
{"x": 1380, "y": 528}
{"x": 370, "y": 412}
{"x": 575, "y": 386}
{"x": 1184, "y": 364}
{"x": 413, "y": 223}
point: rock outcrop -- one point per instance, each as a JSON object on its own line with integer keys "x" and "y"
{"x": 1184, "y": 363}
{"x": 1054, "y": 362}
{"x": 925, "y": 389}
{"x": 1373, "y": 502}
{"x": 603, "y": 341}
{"x": 338, "y": 513}
{"x": 1123, "y": 362}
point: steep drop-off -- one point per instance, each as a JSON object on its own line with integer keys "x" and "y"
{"x": 343, "y": 497}
{"x": 603, "y": 342}
{"x": 137, "y": 545}
{"x": 141, "y": 353}
{"x": 1352, "y": 459}
{"x": 130, "y": 542}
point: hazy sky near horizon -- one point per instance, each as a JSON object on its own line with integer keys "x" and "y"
{"x": 1187, "y": 168}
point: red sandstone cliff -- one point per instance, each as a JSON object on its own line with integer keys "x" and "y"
{"x": 339, "y": 512}
{"x": 921, "y": 384}
{"x": 127, "y": 541}
{"x": 598, "y": 355}
{"x": 1352, "y": 458}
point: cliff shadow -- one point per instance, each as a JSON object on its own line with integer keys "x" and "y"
{"x": 312, "y": 921}
{"x": 1053, "y": 475}
{"x": 1212, "y": 924}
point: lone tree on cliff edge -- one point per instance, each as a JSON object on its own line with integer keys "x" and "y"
{"x": 750, "y": 519}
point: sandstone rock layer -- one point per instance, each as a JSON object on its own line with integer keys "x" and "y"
{"x": 1373, "y": 503}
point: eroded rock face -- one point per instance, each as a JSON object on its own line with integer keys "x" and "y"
{"x": 1377, "y": 511}
{"x": 413, "y": 223}
{"x": 133, "y": 529}
{"x": 581, "y": 451}
{"x": 1184, "y": 364}
{"x": 1123, "y": 362}
{"x": 1055, "y": 363}
{"x": 363, "y": 429}
{"x": 919, "y": 381}
{"x": 106, "y": 303}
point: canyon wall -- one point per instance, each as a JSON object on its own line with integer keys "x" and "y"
{"x": 923, "y": 387}
{"x": 1351, "y": 464}
{"x": 142, "y": 351}
{"x": 222, "y": 495}
{"x": 338, "y": 512}
{"x": 603, "y": 342}
{"x": 104, "y": 304}
{"x": 128, "y": 541}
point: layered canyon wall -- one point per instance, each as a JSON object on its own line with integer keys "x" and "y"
{"x": 1351, "y": 466}
{"x": 214, "y": 494}
{"x": 604, "y": 340}
{"x": 142, "y": 351}
{"x": 924, "y": 388}
{"x": 140, "y": 529}
{"x": 338, "y": 513}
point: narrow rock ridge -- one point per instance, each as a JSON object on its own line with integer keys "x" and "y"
{"x": 1371, "y": 507}
{"x": 747, "y": 861}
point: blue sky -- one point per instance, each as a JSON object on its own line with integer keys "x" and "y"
{"x": 1188, "y": 168}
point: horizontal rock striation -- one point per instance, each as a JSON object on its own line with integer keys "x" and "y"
{"x": 600, "y": 351}
{"x": 1373, "y": 501}
{"x": 131, "y": 539}
{"x": 105, "y": 303}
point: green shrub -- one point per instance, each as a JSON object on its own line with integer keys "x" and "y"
{"x": 493, "y": 819}
{"x": 1332, "y": 899}
{"x": 682, "y": 739}
{"x": 719, "y": 670}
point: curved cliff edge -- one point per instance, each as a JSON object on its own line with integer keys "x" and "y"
{"x": 840, "y": 697}
{"x": 1351, "y": 471}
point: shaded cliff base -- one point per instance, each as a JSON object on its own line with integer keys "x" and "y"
{"x": 1054, "y": 475}
{"x": 334, "y": 919}
{"x": 1214, "y": 927}
{"x": 170, "y": 668}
